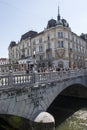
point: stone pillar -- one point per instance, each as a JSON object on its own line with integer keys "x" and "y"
{"x": 10, "y": 79}
{"x": 44, "y": 121}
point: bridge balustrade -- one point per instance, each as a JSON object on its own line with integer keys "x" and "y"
{"x": 12, "y": 79}
{"x": 4, "y": 80}
{"x": 59, "y": 75}
{"x": 21, "y": 79}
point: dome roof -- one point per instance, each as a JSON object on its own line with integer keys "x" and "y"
{"x": 30, "y": 34}
{"x": 59, "y": 22}
{"x": 12, "y": 44}
{"x": 51, "y": 23}
{"x": 65, "y": 23}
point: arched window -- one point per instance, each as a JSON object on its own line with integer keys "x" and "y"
{"x": 60, "y": 64}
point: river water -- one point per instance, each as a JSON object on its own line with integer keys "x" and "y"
{"x": 70, "y": 113}
{"x": 78, "y": 121}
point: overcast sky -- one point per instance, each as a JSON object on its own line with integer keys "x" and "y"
{"x": 19, "y": 16}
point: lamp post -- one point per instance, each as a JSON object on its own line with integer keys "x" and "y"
{"x": 34, "y": 54}
{"x": 86, "y": 62}
{"x": 34, "y": 67}
{"x": 34, "y": 60}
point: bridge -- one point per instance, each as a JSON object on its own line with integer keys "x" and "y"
{"x": 27, "y": 95}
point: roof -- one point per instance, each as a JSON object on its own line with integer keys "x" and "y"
{"x": 30, "y": 34}
{"x": 84, "y": 36}
{"x": 12, "y": 44}
{"x": 3, "y": 59}
{"x": 51, "y": 23}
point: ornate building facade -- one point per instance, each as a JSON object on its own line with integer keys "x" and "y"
{"x": 56, "y": 45}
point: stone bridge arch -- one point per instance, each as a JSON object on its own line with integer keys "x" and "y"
{"x": 30, "y": 100}
{"x": 54, "y": 89}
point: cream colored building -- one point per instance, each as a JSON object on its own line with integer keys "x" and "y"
{"x": 3, "y": 62}
{"x": 56, "y": 45}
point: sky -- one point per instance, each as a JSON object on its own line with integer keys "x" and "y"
{"x": 20, "y": 16}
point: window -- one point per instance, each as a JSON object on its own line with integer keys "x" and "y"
{"x": 40, "y": 48}
{"x": 34, "y": 42}
{"x": 49, "y": 46}
{"x": 23, "y": 46}
{"x": 40, "y": 40}
{"x": 34, "y": 49}
{"x": 27, "y": 51}
{"x": 60, "y": 34}
{"x": 60, "y": 44}
{"x": 60, "y": 64}
{"x": 49, "y": 55}
{"x": 48, "y": 37}
{"x": 41, "y": 57}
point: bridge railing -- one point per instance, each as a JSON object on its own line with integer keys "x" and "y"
{"x": 21, "y": 79}
{"x": 11, "y": 80}
{"x": 4, "y": 80}
{"x": 59, "y": 75}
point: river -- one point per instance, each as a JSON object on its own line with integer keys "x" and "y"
{"x": 70, "y": 113}
{"x": 78, "y": 121}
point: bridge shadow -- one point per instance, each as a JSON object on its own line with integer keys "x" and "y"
{"x": 65, "y": 106}
{"x": 9, "y": 122}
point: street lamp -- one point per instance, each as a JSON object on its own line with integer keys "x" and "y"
{"x": 34, "y": 67}
{"x": 34, "y": 56}
{"x": 86, "y": 62}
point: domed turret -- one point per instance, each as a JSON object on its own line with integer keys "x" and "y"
{"x": 65, "y": 23}
{"x": 59, "y": 21}
{"x": 12, "y": 44}
{"x": 51, "y": 23}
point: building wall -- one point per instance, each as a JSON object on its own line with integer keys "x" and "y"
{"x": 58, "y": 44}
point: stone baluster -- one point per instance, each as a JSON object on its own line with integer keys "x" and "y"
{"x": 10, "y": 79}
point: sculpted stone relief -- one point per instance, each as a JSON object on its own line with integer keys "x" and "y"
{"x": 60, "y": 53}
